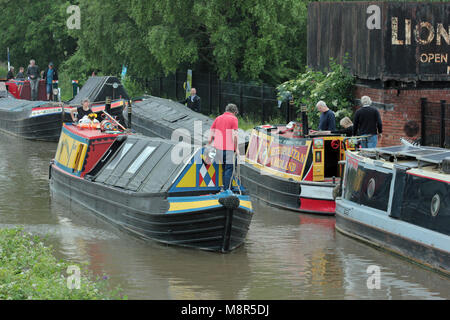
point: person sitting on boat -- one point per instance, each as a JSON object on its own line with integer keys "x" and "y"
{"x": 21, "y": 74}
{"x": 82, "y": 111}
{"x": 193, "y": 101}
{"x": 50, "y": 74}
{"x": 347, "y": 126}
{"x": 224, "y": 134}
{"x": 10, "y": 74}
{"x": 367, "y": 121}
{"x": 327, "y": 119}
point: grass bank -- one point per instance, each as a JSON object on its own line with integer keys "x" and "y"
{"x": 29, "y": 270}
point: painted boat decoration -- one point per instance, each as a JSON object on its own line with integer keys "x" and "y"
{"x": 134, "y": 182}
{"x": 21, "y": 89}
{"x": 158, "y": 117}
{"x": 42, "y": 120}
{"x": 290, "y": 170}
{"x": 398, "y": 199}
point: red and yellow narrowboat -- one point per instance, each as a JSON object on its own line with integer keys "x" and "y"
{"x": 290, "y": 170}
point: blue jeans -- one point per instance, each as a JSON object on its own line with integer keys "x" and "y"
{"x": 226, "y": 158}
{"x": 370, "y": 142}
{"x": 49, "y": 88}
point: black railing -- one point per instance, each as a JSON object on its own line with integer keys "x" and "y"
{"x": 256, "y": 102}
{"x": 435, "y": 123}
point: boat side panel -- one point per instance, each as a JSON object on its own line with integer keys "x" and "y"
{"x": 146, "y": 216}
{"x": 399, "y": 245}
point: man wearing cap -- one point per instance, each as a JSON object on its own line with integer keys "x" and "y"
{"x": 50, "y": 74}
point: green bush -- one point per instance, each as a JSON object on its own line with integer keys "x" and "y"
{"x": 28, "y": 270}
{"x": 133, "y": 88}
{"x": 334, "y": 87}
{"x": 3, "y": 70}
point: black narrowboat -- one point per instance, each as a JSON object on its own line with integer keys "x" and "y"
{"x": 42, "y": 120}
{"x": 164, "y": 118}
{"x": 398, "y": 199}
{"x": 153, "y": 188}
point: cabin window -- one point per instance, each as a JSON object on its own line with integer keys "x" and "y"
{"x": 112, "y": 165}
{"x": 140, "y": 159}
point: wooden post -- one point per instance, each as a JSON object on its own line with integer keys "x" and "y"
{"x": 263, "y": 118}
{"x": 220, "y": 96}
{"x": 210, "y": 92}
{"x": 176, "y": 88}
{"x": 241, "y": 105}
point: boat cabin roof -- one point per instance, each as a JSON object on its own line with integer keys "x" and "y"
{"x": 90, "y": 134}
{"x": 419, "y": 160}
{"x": 174, "y": 115}
{"x": 420, "y": 154}
{"x": 144, "y": 164}
{"x": 12, "y": 104}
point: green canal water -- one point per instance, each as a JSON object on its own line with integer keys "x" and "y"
{"x": 286, "y": 255}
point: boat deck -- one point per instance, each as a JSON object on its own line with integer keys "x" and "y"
{"x": 418, "y": 159}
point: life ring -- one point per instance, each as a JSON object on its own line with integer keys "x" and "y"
{"x": 335, "y": 144}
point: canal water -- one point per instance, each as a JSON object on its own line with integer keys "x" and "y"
{"x": 286, "y": 255}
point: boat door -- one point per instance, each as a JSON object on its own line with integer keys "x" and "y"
{"x": 327, "y": 152}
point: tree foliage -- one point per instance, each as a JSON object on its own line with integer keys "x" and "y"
{"x": 334, "y": 86}
{"x": 262, "y": 40}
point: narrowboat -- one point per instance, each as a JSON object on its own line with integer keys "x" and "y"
{"x": 398, "y": 199}
{"x": 290, "y": 169}
{"x": 150, "y": 187}
{"x": 164, "y": 118}
{"x": 42, "y": 120}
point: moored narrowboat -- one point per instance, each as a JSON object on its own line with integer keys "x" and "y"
{"x": 398, "y": 199}
{"x": 42, "y": 120}
{"x": 153, "y": 188}
{"x": 164, "y": 118}
{"x": 291, "y": 170}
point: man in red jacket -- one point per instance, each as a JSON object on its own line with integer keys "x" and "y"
{"x": 224, "y": 134}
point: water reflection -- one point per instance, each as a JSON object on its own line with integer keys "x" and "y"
{"x": 286, "y": 255}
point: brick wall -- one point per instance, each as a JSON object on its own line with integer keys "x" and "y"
{"x": 400, "y": 106}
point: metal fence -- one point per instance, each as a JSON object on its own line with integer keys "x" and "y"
{"x": 435, "y": 123}
{"x": 255, "y": 102}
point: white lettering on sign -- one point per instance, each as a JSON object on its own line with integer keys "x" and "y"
{"x": 374, "y": 20}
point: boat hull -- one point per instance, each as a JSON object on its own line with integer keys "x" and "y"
{"x": 42, "y": 127}
{"x": 45, "y": 127}
{"x": 299, "y": 196}
{"x": 144, "y": 215}
{"x": 419, "y": 245}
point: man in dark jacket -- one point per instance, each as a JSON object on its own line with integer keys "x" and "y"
{"x": 50, "y": 74}
{"x": 367, "y": 122}
{"x": 193, "y": 101}
{"x": 33, "y": 75}
{"x": 10, "y": 74}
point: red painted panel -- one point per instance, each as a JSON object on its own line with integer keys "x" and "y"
{"x": 325, "y": 206}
